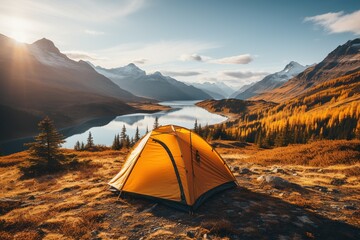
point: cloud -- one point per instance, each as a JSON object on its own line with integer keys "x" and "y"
{"x": 239, "y": 59}
{"x": 78, "y": 55}
{"x": 92, "y": 32}
{"x": 337, "y": 22}
{"x": 181, "y": 73}
{"x": 140, "y": 61}
{"x": 156, "y": 52}
{"x": 244, "y": 74}
{"x": 192, "y": 57}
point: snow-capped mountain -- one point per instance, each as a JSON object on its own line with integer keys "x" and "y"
{"x": 272, "y": 81}
{"x": 343, "y": 60}
{"x": 38, "y": 80}
{"x": 217, "y": 90}
{"x": 156, "y": 85}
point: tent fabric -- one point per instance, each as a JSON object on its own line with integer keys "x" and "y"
{"x": 174, "y": 165}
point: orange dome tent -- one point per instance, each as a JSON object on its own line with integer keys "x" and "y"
{"x": 175, "y": 166}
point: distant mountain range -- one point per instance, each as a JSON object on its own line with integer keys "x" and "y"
{"x": 344, "y": 60}
{"x": 37, "y": 80}
{"x": 271, "y": 81}
{"x": 217, "y": 90}
{"x": 241, "y": 90}
{"x": 155, "y": 86}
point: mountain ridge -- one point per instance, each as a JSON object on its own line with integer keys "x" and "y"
{"x": 343, "y": 60}
{"x": 155, "y": 85}
{"x": 39, "y": 80}
{"x": 272, "y": 81}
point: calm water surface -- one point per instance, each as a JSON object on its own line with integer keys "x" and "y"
{"x": 182, "y": 113}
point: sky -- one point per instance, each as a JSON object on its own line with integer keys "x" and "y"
{"x": 234, "y": 41}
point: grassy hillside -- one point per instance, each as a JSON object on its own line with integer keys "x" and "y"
{"x": 76, "y": 204}
{"x": 330, "y": 110}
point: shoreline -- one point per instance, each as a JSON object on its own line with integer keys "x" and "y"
{"x": 15, "y": 145}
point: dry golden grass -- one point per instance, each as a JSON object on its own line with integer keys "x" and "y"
{"x": 321, "y": 153}
{"x": 76, "y": 204}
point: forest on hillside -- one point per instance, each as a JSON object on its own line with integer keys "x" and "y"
{"x": 330, "y": 110}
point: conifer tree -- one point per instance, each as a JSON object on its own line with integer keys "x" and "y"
{"x": 77, "y": 146}
{"x": 156, "y": 123}
{"x": 116, "y": 143}
{"x": 123, "y": 137}
{"x": 46, "y": 148}
{"x": 137, "y": 135}
{"x": 127, "y": 142}
{"x": 90, "y": 142}
{"x": 196, "y": 126}
{"x": 82, "y": 147}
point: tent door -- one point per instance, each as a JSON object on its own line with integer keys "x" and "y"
{"x": 183, "y": 200}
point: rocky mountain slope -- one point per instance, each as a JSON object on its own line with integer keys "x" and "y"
{"x": 344, "y": 60}
{"x": 37, "y": 80}
{"x": 272, "y": 81}
{"x": 155, "y": 86}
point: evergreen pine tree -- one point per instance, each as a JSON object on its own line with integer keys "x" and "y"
{"x": 137, "y": 135}
{"x": 123, "y": 137}
{"x": 156, "y": 123}
{"x": 77, "y": 146}
{"x": 82, "y": 147}
{"x": 45, "y": 150}
{"x": 90, "y": 142}
{"x": 116, "y": 143}
{"x": 196, "y": 126}
{"x": 127, "y": 142}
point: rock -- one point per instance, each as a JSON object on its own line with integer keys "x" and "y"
{"x": 261, "y": 178}
{"x": 305, "y": 219}
{"x": 190, "y": 233}
{"x": 320, "y": 170}
{"x": 31, "y": 197}
{"x": 244, "y": 171}
{"x": 276, "y": 182}
{"x": 277, "y": 170}
{"x": 150, "y": 208}
{"x": 205, "y": 236}
{"x": 94, "y": 233}
{"x": 235, "y": 168}
{"x": 337, "y": 181}
{"x": 321, "y": 188}
{"x": 349, "y": 207}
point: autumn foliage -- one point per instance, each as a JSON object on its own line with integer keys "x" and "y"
{"x": 329, "y": 110}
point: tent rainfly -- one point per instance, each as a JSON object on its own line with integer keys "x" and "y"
{"x": 175, "y": 166}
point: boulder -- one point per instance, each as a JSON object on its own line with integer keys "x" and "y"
{"x": 277, "y": 170}
{"x": 235, "y": 168}
{"x": 244, "y": 171}
{"x": 276, "y": 182}
{"x": 337, "y": 181}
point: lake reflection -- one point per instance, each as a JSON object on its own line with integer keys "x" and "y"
{"x": 182, "y": 113}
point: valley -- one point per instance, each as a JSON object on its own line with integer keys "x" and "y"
{"x": 246, "y": 120}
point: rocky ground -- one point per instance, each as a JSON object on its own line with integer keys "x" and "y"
{"x": 273, "y": 201}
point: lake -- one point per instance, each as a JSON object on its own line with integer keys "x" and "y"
{"x": 182, "y": 113}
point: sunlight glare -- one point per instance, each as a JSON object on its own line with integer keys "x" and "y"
{"x": 19, "y": 29}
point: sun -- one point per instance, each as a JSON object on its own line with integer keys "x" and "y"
{"x": 19, "y": 29}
